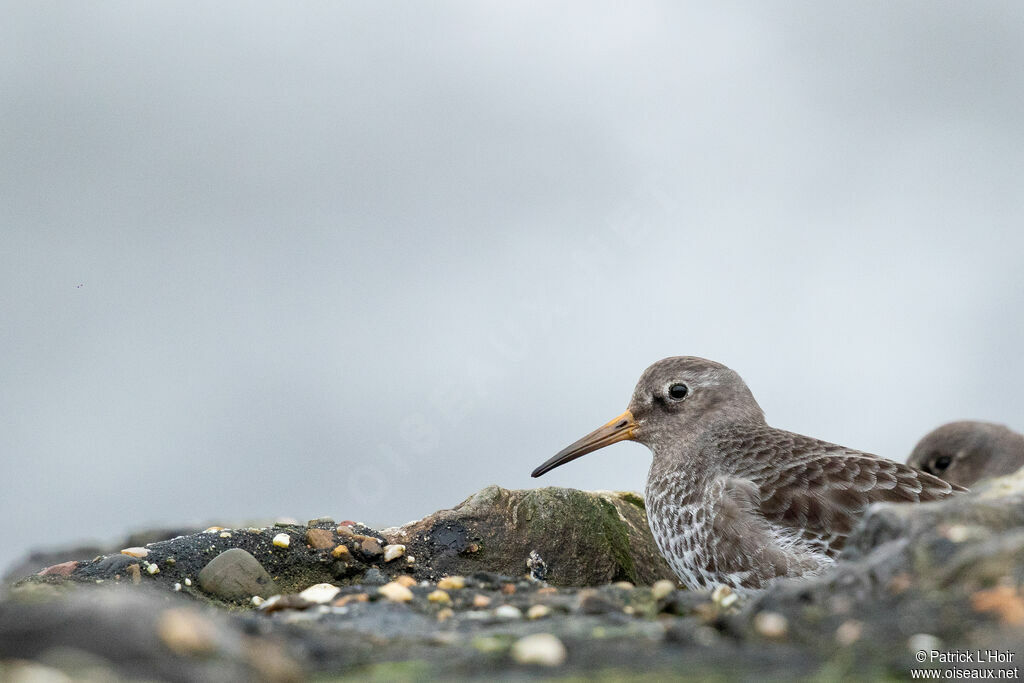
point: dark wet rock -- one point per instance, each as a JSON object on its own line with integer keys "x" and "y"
{"x": 573, "y": 538}
{"x": 374, "y": 577}
{"x": 236, "y": 575}
{"x": 946, "y": 576}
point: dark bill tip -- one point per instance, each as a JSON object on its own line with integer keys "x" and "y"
{"x": 619, "y": 429}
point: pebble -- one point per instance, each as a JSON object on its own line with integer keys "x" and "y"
{"x": 136, "y": 573}
{"x": 849, "y": 632}
{"x": 176, "y": 587}
{"x": 481, "y": 600}
{"x": 256, "y": 600}
{"x": 543, "y": 649}
{"x": 508, "y": 612}
{"x": 320, "y": 538}
{"x": 135, "y": 552}
{"x": 374, "y": 577}
{"x": 624, "y": 585}
{"x": 538, "y": 612}
{"x": 662, "y": 589}
{"x": 188, "y": 581}
{"x": 225, "y": 534}
{"x": 445, "y": 614}
{"x": 320, "y": 593}
{"x": 186, "y": 632}
{"x": 341, "y": 552}
{"x": 371, "y": 547}
{"x": 282, "y": 540}
{"x": 152, "y": 568}
{"x": 439, "y": 596}
{"x": 320, "y": 520}
{"x": 770, "y": 624}
{"x": 393, "y": 552}
{"x": 395, "y": 592}
{"x": 405, "y": 580}
{"x": 351, "y": 597}
{"x": 593, "y": 602}
{"x": 923, "y": 641}
{"x": 508, "y": 588}
{"x": 724, "y": 597}
{"x": 212, "y": 529}
{"x": 450, "y": 583}
{"x": 62, "y": 569}
{"x": 235, "y": 575}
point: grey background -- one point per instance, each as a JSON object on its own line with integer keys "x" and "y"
{"x": 361, "y": 260}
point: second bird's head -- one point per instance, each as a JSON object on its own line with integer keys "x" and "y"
{"x": 674, "y": 396}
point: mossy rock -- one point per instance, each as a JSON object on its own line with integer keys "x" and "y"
{"x": 582, "y": 537}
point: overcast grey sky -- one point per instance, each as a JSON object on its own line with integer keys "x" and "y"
{"x": 361, "y": 260}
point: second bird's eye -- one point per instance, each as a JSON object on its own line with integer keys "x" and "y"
{"x": 678, "y": 392}
{"x": 942, "y": 462}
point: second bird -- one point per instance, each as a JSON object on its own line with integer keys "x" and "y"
{"x": 733, "y": 501}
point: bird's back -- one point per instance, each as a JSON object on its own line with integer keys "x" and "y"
{"x": 817, "y": 490}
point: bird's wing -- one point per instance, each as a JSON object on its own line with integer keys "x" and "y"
{"x": 746, "y": 546}
{"x": 822, "y": 489}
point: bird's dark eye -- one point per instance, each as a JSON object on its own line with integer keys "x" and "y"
{"x": 678, "y": 392}
{"x": 942, "y": 462}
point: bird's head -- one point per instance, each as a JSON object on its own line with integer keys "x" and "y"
{"x": 674, "y": 396}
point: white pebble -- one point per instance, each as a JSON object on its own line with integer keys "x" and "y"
{"x": 225, "y": 534}
{"x": 188, "y": 582}
{"x": 771, "y": 624}
{"x": 282, "y": 540}
{"x": 508, "y": 612}
{"x": 923, "y": 641}
{"x": 544, "y": 649}
{"x": 395, "y": 592}
{"x": 662, "y": 589}
{"x": 152, "y": 568}
{"x": 538, "y": 612}
{"x": 393, "y": 552}
{"x": 177, "y": 587}
{"x": 320, "y": 593}
{"x": 256, "y": 600}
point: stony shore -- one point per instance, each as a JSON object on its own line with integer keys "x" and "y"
{"x": 519, "y": 584}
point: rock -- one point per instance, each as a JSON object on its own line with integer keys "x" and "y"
{"x": 320, "y": 538}
{"x": 393, "y": 552}
{"x": 584, "y": 538}
{"x": 395, "y": 592}
{"x": 282, "y": 540}
{"x": 542, "y": 649}
{"x": 370, "y": 548}
{"x": 439, "y": 596}
{"x": 62, "y": 569}
{"x": 135, "y": 552}
{"x": 341, "y": 552}
{"x": 405, "y": 580}
{"x": 374, "y": 577}
{"x": 236, "y": 575}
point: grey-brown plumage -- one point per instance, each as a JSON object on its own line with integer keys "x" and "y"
{"x": 968, "y": 451}
{"x": 733, "y": 501}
